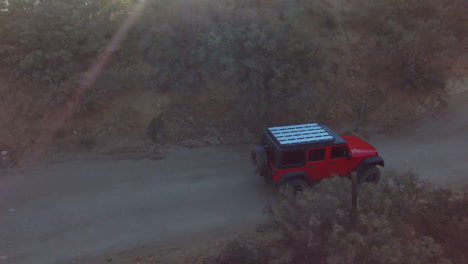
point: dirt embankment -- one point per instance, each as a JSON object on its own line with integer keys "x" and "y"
{"x": 135, "y": 123}
{"x": 116, "y": 128}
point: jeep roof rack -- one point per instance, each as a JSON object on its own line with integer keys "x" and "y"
{"x": 301, "y": 134}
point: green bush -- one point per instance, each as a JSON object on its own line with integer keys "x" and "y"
{"x": 401, "y": 220}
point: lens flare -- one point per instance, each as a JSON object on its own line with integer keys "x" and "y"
{"x": 16, "y": 175}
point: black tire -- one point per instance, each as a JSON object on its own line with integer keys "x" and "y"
{"x": 372, "y": 174}
{"x": 298, "y": 184}
{"x": 259, "y": 158}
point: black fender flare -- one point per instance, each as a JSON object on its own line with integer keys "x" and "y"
{"x": 377, "y": 160}
{"x": 294, "y": 175}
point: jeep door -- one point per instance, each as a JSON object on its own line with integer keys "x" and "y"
{"x": 338, "y": 160}
{"x": 316, "y": 165}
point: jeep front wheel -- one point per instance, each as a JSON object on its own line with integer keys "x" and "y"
{"x": 371, "y": 174}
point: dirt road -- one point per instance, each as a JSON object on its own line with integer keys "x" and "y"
{"x": 436, "y": 146}
{"x": 65, "y": 210}
{"x": 61, "y": 211}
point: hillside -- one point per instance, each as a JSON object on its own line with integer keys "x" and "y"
{"x": 200, "y": 73}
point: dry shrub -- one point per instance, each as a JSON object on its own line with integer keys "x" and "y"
{"x": 402, "y": 220}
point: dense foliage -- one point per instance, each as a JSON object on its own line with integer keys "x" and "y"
{"x": 50, "y": 41}
{"x": 319, "y": 54}
{"x": 401, "y": 220}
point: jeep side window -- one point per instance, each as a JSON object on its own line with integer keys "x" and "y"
{"x": 293, "y": 157}
{"x": 339, "y": 152}
{"x": 316, "y": 155}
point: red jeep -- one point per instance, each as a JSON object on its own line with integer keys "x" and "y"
{"x": 303, "y": 154}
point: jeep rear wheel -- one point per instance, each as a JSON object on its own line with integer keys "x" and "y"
{"x": 259, "y": 158}
{"x": 371, "y": 174}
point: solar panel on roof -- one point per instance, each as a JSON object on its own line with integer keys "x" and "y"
{"x": 297, "y": 134}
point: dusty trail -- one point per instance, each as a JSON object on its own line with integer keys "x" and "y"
{"x": 76, "y": 208}
{"x": 61, "y": 211}
{"x": 435, "y": 148}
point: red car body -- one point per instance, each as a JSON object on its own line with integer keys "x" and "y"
{"x": 327, "y": 156}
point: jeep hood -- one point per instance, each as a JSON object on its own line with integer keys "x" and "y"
{"x": 359, "y": 147}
